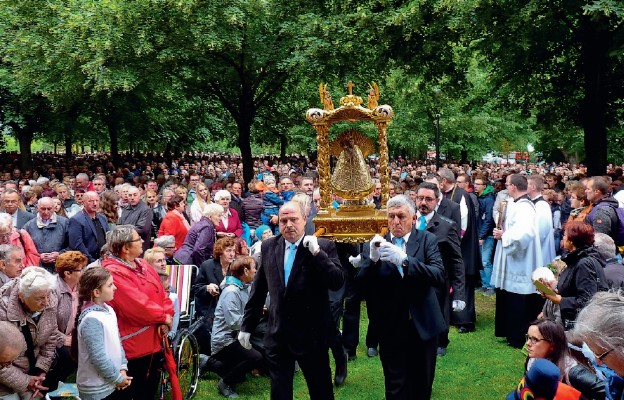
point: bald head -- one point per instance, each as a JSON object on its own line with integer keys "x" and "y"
{"x": 12, "y": 343}
{"x": 134, "y": 196}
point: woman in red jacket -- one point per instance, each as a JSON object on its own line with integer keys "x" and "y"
{"x": 144, "y": 311}
{"x": 174, "y": 223}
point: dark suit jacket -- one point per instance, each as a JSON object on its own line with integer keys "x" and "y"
{"x": 23, "y": 217}
{"x": 393, "y": 298}
{"x": 141, "y": 217}
{"x": 82, "y": 236}
{"x": 299, "y": 316}
{"x": 449, "y": 245}
{"x": 450, "y": 210}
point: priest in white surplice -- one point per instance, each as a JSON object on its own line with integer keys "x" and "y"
{"x": 518, "y": 254}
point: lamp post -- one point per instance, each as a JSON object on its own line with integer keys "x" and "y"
{"x": 437, "y": 140}
{"x": 436, "y": 95}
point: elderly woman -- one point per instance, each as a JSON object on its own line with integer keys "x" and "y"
{"x": 143, "y": 310}
{"x": 30, "y": 302}
{"x": 601, "y": 325}
{"x": 174, "y": 223}
{"x": 200, "y": 202}
{"x": 199, "y": 242}
{"x": 20, "y": 238}
{"x": 167, "y": 242}
{"x": 230, "y": 224}
{"x": 69, "y": 266}
{"x": 584, "y": 274}
{"x": 156, "y": 258}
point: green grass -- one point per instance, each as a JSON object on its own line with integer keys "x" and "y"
{"x": 477, "y": 366}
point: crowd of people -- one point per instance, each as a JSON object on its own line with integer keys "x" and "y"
{"x": 84, "y": 250}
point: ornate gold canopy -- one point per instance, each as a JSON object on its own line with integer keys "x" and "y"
{"x": 356, "y": 221}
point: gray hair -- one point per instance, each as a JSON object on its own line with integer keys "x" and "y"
{"x": 47, "y": 200}
{"x": 6, "y": 222}
{"x": 605, "y": 245}
{"x": 447, "y": 174}
{"x": 118, "y": 237}
{"x": 401, "y": 200}
{"x": 35, "y": 279}
{"x": 222, "y": 194}
{"x": 212, "y": 209}
{"x": 89, "y": 194}
{"x": 7, "y": 250}
{"x": 602, "y": 321}
{"x": 82, "y": 175}
{"x": 11, "y": 338}
{"x": 165, "y": 241}
{"x": 303, "y": 199}
{"x": 296, "y": 205}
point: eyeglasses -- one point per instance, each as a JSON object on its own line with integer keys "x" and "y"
{"x": 136, "y": 240}
{"x": 534, "y": 340}
{"x": 603, "y": 355}
{"x": 427, "y": 199}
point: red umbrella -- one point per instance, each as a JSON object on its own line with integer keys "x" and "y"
{"x": 170, "y": 367}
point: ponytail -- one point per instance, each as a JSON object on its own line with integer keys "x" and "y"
{"x": 91, "y": 279}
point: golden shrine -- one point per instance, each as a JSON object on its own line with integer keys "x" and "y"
{"x": 357, "y": 220}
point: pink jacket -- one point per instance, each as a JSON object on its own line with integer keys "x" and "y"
{"x": 44, "y": 334}
{"x": 22, "y": 239}
{"x": 141, "y": 305}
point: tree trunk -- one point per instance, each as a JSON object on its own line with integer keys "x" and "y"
{"x": 68, "y": 145}
{"x": 594, "y": 48}
{"x": 283, "y": 146}
{"x": 244, "y": 144}
{"x": 113, "y": 134}
{"x": 25, "y": 138}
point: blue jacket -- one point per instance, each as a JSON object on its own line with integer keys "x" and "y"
{"x": 82, "y": 235}
{"x": 50, "y": 238}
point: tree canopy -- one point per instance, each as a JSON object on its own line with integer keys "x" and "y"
{"x": 168, "y": 75}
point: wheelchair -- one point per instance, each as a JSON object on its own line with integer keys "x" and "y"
{"x": 183, "y": 344}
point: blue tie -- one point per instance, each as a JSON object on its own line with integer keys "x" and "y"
{"x": 399, "y": 243}
{"x": 423, "y": 223}
{"x": 289, "y": 262}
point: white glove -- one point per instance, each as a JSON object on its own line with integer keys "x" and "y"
{"x": 374, "y": 250}
{"x": 355, "y": 261}
{"x": 392, "y": 254}
{"x": 458, "y": 305}
{"x": 244, "y": 339}
{"x": 311, "y": 243}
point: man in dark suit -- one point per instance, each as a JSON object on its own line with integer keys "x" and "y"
{"x": 87, "y": 229}
{"x": 446, "y": 207}
{"x": 401, "y": 281}
{"x": 297, "y": 271}
{"x": 10, "y": 202}
{"x": 138, "y": 214}
{"x": 448, "y": 243}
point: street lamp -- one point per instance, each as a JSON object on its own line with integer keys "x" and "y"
{"x": 436, "y": 95}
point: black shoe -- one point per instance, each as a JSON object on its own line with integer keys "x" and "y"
{"x": 226, "y": 391}
{"x": 341, "y": 371}
{"x": 372, "y": 352}
{"x": 441, "y": 351}
{"x": 465, "y": 329}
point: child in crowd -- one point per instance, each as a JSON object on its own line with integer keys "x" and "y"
{"x": 164, "y": 280}
{"x": 102, "y": 364}
{"x": 263, "y": 232}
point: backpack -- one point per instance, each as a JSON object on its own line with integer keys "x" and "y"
{"x": 618, "y": 232}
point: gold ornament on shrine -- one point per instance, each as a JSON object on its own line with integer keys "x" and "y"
{"x": 357, "y": 220}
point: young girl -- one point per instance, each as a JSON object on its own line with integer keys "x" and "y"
{"x": 102, "y": 363}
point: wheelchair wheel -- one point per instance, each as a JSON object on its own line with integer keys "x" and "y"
{"x": 186, "y": 353}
